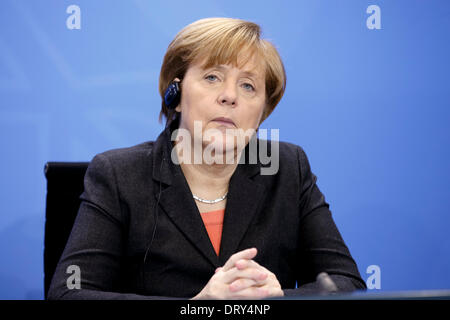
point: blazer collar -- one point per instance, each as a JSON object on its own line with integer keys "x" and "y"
{"x": 244, "y": 196}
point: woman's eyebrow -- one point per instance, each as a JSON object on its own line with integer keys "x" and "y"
{"x": 248, "y": 73}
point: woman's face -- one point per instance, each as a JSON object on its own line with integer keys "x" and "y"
{"x": 222, "y": 91}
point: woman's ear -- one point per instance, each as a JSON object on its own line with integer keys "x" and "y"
{"x": 178, "y": 107}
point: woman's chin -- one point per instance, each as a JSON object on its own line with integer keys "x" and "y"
{"x": 219, "y": 149}
{"x": 219, "y": 146}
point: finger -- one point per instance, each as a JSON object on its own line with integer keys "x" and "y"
{"x": 271, "y": 283}
{"x": 218, "y": 269}
{"x": 233, "y": 274}
{"x": 246, "y": 254}
{"x": 241, "y": 284}
{"x": 250, "y": 293}
{"x": 243, "y": 263}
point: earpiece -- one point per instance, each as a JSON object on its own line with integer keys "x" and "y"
{"x": 172, "y": 95}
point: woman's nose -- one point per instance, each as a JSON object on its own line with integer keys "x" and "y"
{"x": 228, "y": 94}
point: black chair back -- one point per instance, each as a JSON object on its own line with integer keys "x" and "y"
{"x": 64, "y": 187}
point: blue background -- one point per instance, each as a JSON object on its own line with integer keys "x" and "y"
{"x": 370, "y": 108}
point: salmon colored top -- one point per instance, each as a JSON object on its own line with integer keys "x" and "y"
{"x": 213, "y": 221}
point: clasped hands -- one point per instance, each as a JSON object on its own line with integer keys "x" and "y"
{"x": 241, "y": 278}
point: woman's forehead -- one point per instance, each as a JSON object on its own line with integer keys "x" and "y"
{"x": 250, "y": 65}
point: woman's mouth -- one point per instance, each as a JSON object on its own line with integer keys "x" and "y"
{"x": 224, "y": 121}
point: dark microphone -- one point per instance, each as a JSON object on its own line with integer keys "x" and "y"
{"x": 326, "y": 284}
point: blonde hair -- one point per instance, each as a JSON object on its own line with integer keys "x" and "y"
{"x": 220, "y": 41}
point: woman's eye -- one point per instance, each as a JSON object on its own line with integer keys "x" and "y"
{"x": 211, "y": 77}
{"x": 248, "y": 86}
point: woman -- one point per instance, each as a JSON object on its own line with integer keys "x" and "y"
{"x": 191, "y": 215}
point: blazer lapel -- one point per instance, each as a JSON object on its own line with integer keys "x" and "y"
{"x": 176, "y": 199}
{"x": 179, "y": 205}
{"x": 244, "y": 196}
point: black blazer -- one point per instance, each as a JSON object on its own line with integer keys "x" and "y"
{"x": 284, "y": 216}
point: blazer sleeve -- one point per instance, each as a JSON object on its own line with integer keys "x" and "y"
{"x": 322, "y": 248}
{"x": 96, "y": 243}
